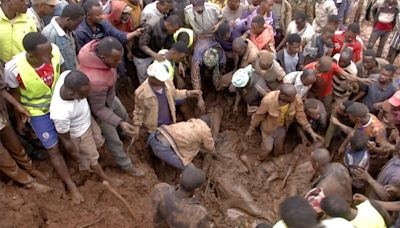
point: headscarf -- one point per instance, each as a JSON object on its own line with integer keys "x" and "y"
{"x": 242, "y": 76}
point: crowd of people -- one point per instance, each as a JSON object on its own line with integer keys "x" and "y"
{"x": 282, "y": 63}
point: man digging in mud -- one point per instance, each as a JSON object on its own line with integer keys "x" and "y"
{"x": 277, "y": 111}
{"x": 332, "y": 178}
{"x": 177, "y": 206}
{"x": 78, "y": 131}
{"x": 177, "y": 144}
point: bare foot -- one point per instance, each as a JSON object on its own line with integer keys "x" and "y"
{"x": 39, "y": 188}
{"x": 115, "y": 182}
{"x": 76, "y": 196}
{"x": 39, "y": 175}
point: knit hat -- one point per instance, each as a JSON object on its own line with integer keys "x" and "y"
{"x": 211, "y": 57}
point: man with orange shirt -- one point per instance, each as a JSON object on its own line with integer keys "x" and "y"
{"x": 277, "y": 111}
{"x": 261, "y": 34}
{"x": 325, "y": 70}
{"x": 368, "y": 123}
{"x": 348, "y": 39}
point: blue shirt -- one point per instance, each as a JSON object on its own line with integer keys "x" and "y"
{"x": 85, "y": 34}
{"x": 375, "y": 94}
{"x": 66, "y": 43}
{"x": 202, "y": 46}
{"x": 242, "y": 25}
{"x": 164, "y": 113}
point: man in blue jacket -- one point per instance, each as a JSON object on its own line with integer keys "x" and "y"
{"x": 94, "y": 27}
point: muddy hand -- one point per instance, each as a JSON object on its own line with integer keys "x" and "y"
{"x": 76, "y": 196}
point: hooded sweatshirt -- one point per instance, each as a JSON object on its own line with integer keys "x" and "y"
{"x": 115, "y": 16}
{"x": 102, "y": 80}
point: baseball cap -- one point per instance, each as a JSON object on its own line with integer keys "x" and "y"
{"x": 47, "y": 2}
{"x": 395, "y": 99}
{"x": 158, "y": 71}
{"x": 198, "y": 5}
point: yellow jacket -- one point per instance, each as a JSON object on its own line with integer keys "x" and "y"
{"x": 146, "y": 105}
{"x": 12, "y": 34}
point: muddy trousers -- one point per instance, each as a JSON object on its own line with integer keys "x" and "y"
{"x": 114, "y": 143}
{"x": 272, "y": 142}
{"x": 164, "y": 151}
{"x": 13, "y": 154}
{"x": 382, "y": 36}
{"x": 330, "y": 132}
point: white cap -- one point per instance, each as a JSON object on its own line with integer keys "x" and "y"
{"x": 158, "y": 71}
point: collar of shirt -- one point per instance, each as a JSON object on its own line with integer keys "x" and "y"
{"x": 57, "y": 27}
{"x": 368, "y": 123}
{"x": 156, "y": 11}
{"x": 33, "y": 12}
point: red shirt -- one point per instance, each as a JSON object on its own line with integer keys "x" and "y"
{"x": 323, "y": 85}
{"x": 355, "y": 44}
{"x": 387, "y": 27}
{"x": 45, "y": 72}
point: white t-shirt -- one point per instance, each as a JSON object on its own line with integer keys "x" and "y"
{"x": 150, "y": 12}
{"x": 294, "y": 78}
{"x": 71, "y": 116}
{"x": 306, "y": 33}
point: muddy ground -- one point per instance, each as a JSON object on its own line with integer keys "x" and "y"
{"x": 21, "y": 208}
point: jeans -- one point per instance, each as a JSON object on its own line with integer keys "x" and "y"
{"x": 382, "y": 35}
{"x": 164, "y": 151}
{"x": 141, "y": 67}
{"x": 111, "y": 136}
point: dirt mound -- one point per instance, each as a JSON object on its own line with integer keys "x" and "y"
{"x": 229, "y": 187}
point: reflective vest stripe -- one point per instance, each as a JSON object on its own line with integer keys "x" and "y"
{"x": 36, "y": 98}
{"x": 188, "y": 31}
{"x": 43, "y": 105}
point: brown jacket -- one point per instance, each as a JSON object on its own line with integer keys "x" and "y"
{"x": 250, "y": 55}
{"x": 146, "y": 105}
{"x": 268, "y": 113}
{"x": 186, "y": 138}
